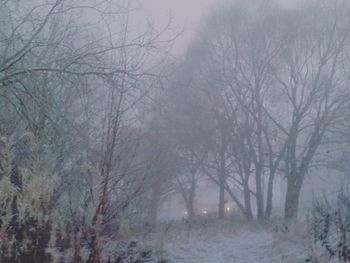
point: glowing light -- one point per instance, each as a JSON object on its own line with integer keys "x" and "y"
{"x": 186, "y": 213}
{"x": 227, "y": 209}
{"x": 205, "y": 212}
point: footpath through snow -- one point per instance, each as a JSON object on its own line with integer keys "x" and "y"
{"x": 239, "y": 246}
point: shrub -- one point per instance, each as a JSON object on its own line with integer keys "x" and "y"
{"x": 330, "y": 227}
{"x": 31, "y": 230}
{"x": 32, "y": 227}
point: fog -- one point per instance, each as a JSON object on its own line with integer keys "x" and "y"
{"x": 186, "y": 16}
{"x": 174, "y": 131}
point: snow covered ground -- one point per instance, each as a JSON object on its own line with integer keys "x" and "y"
{"x": 232, "y": 244}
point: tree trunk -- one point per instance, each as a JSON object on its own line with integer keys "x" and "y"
{"x": 222, "y": 176}
{"x": 259, "y": 196}
{"x": 259, "y": 160}
{"x": 189, "y": 200}
{"x": 222, "y": 197}
{"x": 294, "y": 184}
{"x": 269, "y": 197}
{"x": 190, "y": 206}
{"x": 247, "y": 204}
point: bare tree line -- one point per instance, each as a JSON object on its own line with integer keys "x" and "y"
{"x": 274, "y": 85}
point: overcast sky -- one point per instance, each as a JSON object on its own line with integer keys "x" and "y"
{"x": 183, "y": 11}
{"x": 186, "y": 14}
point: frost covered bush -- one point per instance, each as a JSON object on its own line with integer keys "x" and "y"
{"x": 25, "y": 221}
{"x": 32, "y": 227}
{"x": 330, "y": 227}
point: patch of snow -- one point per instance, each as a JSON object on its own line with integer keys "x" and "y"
{"x": 248, "y": 245}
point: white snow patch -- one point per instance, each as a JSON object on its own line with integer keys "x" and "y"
{"x": 243, "y": 246}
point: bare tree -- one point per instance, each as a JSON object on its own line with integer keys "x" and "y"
{"x": 277, "y": 86}
{"x": 311, "y": 78}
{"x": 59, "y": 77}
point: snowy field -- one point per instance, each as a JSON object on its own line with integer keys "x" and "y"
{"x": 208, "y": 244}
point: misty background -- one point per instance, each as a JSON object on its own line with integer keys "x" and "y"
{"x": 174, "y": 131}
